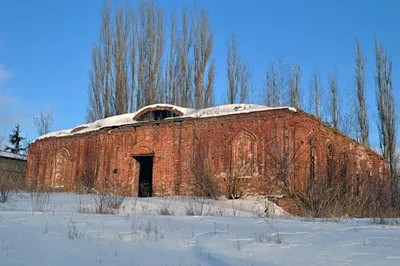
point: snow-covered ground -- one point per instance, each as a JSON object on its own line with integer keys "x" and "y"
{"x": 227, "y": 234}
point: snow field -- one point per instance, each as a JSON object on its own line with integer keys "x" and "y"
{"x": 227, "y": 234}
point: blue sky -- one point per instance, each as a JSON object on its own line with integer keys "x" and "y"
{"x": 45, "y": 49}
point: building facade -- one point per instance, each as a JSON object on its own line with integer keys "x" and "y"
{"x": 160, "y": 149}
{"x": 12, "y": 169}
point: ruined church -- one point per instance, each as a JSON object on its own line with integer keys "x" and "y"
{"x": 157, "y": 150}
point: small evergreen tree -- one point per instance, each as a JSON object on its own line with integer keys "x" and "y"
{"x": 15, "y": 139}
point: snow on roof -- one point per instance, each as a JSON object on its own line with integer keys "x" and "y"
{"x": 232, "y": 109}
{"x": 125, "y": 119}
{"x": 6, "y": 154}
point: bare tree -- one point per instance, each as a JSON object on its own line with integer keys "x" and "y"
{"x": 294, "y": 82}
{"x": 335, "y": 116}
{"x": 387, "y": 116}
{"x": 346, "y": 124}
{"x": 173, "y": 65}
{"x": 203, "y": 182}
{"x": 315, "y": 94}
{"x": 245, "y": 81}
{"x": 185, "y": 46}
{"x": 203, "y": 44}
{"x": 133, "y": 55}
{"x": 120, "y": 87}
{"x": 151, "y": 51}
{"x": 109, "y": 91}
{"x": 361, "y": 105}
{"x": 130, "y": 68}
{"x": 238, "y": 73}
{"x": 127, "y": 62}
{"x": 271, "y": 86}
{"x": 325, "y": 189}
{"x": 235, "y": 182}
{"x": 233, "y": 63}
{"x": 99, "y": 75}
{"x": 44, "y": 122}
{"x": 209, "y": 93}
{"x": 94, "y": 109}
{"x": 104, "y": 57}
{"x": 276, "y": 82}
{"x": 283, "y": 155}
{"x": 282, "y": 72}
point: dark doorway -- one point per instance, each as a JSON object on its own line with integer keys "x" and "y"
{"x": 145, "y": 188}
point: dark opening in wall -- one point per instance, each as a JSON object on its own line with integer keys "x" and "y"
{"x": 145, "y": 188}
{"x": 157, "y": 115}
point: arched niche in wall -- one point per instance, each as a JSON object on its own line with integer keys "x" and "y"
{"x": 311, "y": 143}
{"x": 330, "y": 162}
{"x": 62, "y": 163}
{"x": 244, "y": 154}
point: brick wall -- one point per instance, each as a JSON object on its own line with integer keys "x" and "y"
{"x": 226, "y": 142}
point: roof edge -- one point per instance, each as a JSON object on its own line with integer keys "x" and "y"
{"x": 337, "y": 131}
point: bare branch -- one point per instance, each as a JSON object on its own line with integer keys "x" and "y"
{"x": 203, "y": 44}
{"x": 44, "y": 122}
{"x": 294, "y": 82}
{"x": 335, "y": 116}
{"x": 233, "y": 69}
{"x": 271, "y": 85}
{"x": 185, "y": 46}
{"x": 387, "y": 124}
{"x": 315, "y": 94}
{"x": 361, "y": 106}
{"x": 209, "y": 93}
{"x": 276, "y": 82}
{"x": 238, "y": 73}
{"x": 151, "y": 51}
{"x": 133, "y": 55}
{"x": 120, "y": 37}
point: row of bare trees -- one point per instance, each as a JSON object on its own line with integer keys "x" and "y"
{"x": 132, "y": 68}
{"x": 283, "y": 80}
{"x": 283, "y": 88}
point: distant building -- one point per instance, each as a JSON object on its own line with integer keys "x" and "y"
{"x": 12, "y": 166}
{"x": 155, "y": 151}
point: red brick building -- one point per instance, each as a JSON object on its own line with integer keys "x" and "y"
{"x": 270, "y": 148}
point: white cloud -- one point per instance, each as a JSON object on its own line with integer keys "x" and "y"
{"x": 7, "y": 100}
{"x": 5, "y": 74}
